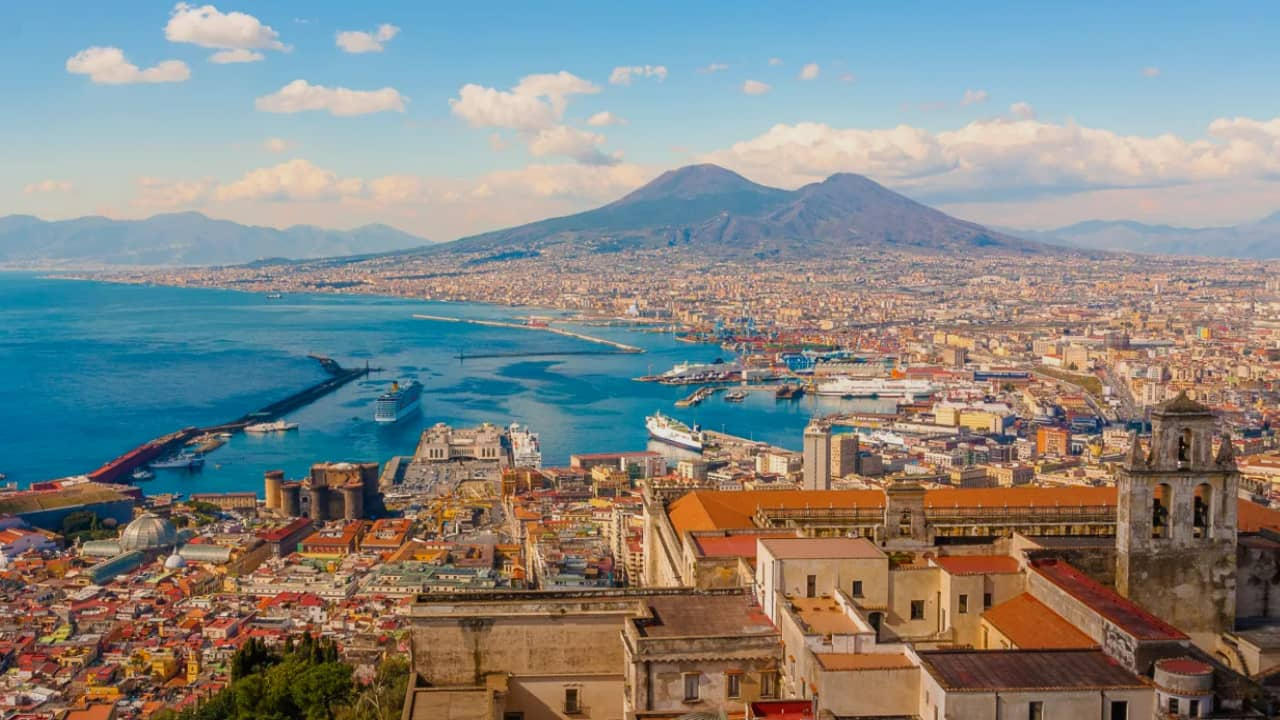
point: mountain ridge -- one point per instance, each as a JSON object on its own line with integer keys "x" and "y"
{"x": 1259, "y": 239}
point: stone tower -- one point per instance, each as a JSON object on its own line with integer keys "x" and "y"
{"x": 1176, "y": 521}
{"x": 817, "y": 456}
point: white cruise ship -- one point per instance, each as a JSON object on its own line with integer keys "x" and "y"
{"x": 875, "y": 388}
{"x": 526, "y": 450}
{"x": 397, "y": 402}
{"x": 673, "y": 432}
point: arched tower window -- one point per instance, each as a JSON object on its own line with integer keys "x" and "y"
{"x": 1160, "y": 504}
{"x": 1202, "y": 515}
{"x": 1184, "y": 449}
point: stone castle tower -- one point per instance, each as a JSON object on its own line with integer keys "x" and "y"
{"x": 1176, "y": 521}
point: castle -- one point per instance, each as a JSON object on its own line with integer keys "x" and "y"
{"x": 332, "y": 491}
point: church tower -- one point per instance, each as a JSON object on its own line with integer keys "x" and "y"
{"x": 1176, "y": 521}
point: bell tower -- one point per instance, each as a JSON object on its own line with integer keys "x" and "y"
{"x": 1176, "y": 521}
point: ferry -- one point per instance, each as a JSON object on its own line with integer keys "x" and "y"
{"x": 735, "y": 396}
{"x": 271, "y": 427}
{"x": 274, "y": 296}
{"x": 673, "y": 432}
{"x": 181, "y": 461}
{"x": 397, "y": 402}
{"x": 526, "y": 449}
{"x": 847, "y": 387}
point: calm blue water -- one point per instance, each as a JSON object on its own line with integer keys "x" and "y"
{"x": 89, "y": 370}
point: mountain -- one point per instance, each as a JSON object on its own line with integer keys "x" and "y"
{"x": 720, "y": 213}
{"x": 1256, "y": 240}
{"x": 187, "y": 238}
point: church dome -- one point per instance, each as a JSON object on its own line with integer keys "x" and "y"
{"x": 174, "y": 562}
{"x": 148, "y": 532}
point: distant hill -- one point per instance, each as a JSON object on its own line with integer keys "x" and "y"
{"x": 720, "y": 213}
{"x": 187, "y": 238}
{"x": 1254, "y": 240}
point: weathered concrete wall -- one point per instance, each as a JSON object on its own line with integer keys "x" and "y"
{"x": 1258, "y": 579}
{"x": 889, "y": 693}
{"x": 1193, "y": 589}
{"x": 542, "y": 697}
{"x": 1077, "y": 705}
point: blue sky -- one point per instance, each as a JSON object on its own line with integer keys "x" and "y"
{"x": 1016, "y": 114}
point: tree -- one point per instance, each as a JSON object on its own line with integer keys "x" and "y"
{"x": 322, "y": 688}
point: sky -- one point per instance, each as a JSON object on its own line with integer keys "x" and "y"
{"x": 449, "y": 119}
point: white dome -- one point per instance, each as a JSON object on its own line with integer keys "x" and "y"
{"x": 148, "y": 532}
{"x": 174, "y": 562}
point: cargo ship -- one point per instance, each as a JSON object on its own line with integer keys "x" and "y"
{"x": 397, "y": 402}
{"x": 875, "y": 388}
{"x": 526, "y": 449}
{"x": 673, "y": 432}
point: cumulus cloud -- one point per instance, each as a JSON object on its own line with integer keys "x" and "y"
{"x": 1003, "y": 155}
{"x": 536, "y": 102}
{"x": 605, "y": 118}
{"x": 562, "y": 140}
{"x": 974, "y": 97}
{"x": 235, "y": 34}
{"x": 237, "y": 55}
{"x": 276, "y": 145}
{"x": 301, "y": 96}
{"x": 1150, "y": 71}
{"x": 108, "y": 66}
{"x": 714, "y": 68}
{"x": 48, "y": 186}
{"x": 623, "y": 75}
{"x": 809, "y": 71}
{"x": 755, "y": 87}
{"x": 1022, "y": 111}
{"x": 160, "y": 194}
{"x": 296, "y": 179}
{"x": 774, "y": 62}
{"x": 357, "y": 41}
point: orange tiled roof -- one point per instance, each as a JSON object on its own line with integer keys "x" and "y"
{"x": 870, "y": 661}
{"x": 977, "y": 564}
{"x": 1030, "y": 625}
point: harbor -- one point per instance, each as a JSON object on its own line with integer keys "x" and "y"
{"x": 539, "y": 326}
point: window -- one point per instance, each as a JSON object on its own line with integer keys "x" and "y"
{"x": 691, "y": 681}
{"x": 917, "y": 609}
{"x": 768, "y": 684}
{"x": 733, "y": 681}
{"x": 857, "y": 588}
{"x": 963, "y": 605}
{"x": 1173, "y": 706}
{"x": 571, "y": 703}
{"x": 811, "y": 586}
{"x": 1119, "y": 710}
{"x": 513, "y": 716}
{"x": 986, "y": 601}
{"x": 1035, "y": 710}
{"x": 1194, "y": 710}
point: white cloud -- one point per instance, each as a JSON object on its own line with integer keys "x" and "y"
{"x": 536, "y": 102}
{"x": 565, "y": 141}
{"x": 974, "y": 97}
{"x": 160, "y": 194}
{"x": 357, "y": 41}
{"x": 714, "y": 68}
{"x": 604, "y": 119}
{"x": 108, "y": 66}
{"x": 1022, "y": 111}
{"x": 809, "y": 71}
{"x": 237, "y": 55}
{"x": 296, "y": 179}
{"x": 755, "y": 87}
{"x": 623, "y": 75}
{"x": 276, "y": 145}
{"x": 235, "y": 34}
{"x": 48, "y": 186}
{"x": 848, "y": 78}
{"x": 773, "y": 61}
{"x": 989, "y": 158}
{"x": 1150, "y": 71}
{"x": 301, "y": 96}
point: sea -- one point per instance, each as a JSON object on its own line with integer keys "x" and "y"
{"x": 89, "y": 370}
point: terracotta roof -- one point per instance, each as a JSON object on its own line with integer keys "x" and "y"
{"x": 988, "y": 670}
{"x": 1184, "y": 666}
{"x": 704, "y": 616}
{"x": 1126, "y": 615}
{"x": 1030, "y": 625}
{"x": 867, "y": 661}
{"x": 730, "y": 545}
{"x": 977, "y": 564}
{"x": 822, "y": 548}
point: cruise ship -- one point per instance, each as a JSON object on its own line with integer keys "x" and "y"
{"x": 397, "y": 402}
{"x": 526, "y": 450}
{"x": 673, "y": 432}
{"x": 875, "y": 388}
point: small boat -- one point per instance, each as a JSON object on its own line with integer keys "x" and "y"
{"x": 181, "y": 461}
{"x": 142, "y": 474}
{"x": 270, "y": 427}
{"x": 735, "y": 396}
{"x": 274, "y": 296}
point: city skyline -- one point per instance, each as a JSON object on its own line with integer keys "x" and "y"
{"x": 278, "y": 113}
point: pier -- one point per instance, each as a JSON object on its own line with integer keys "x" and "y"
{"x": 617, "y": 346}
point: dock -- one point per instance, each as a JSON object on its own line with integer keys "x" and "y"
{"x": 617, "y": 346}
{"x": 697, "y": 396}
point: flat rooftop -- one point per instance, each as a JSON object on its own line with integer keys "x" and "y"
{"x": 703, "y": 616}
{"x": 1127, "y": 615}
{"x": 732, "y": 545}
{"x": 992, "y": 670}
{"x": 823, "y": 616}
{"x": 794, "y": 548}
{"x": 863, "y": 661}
